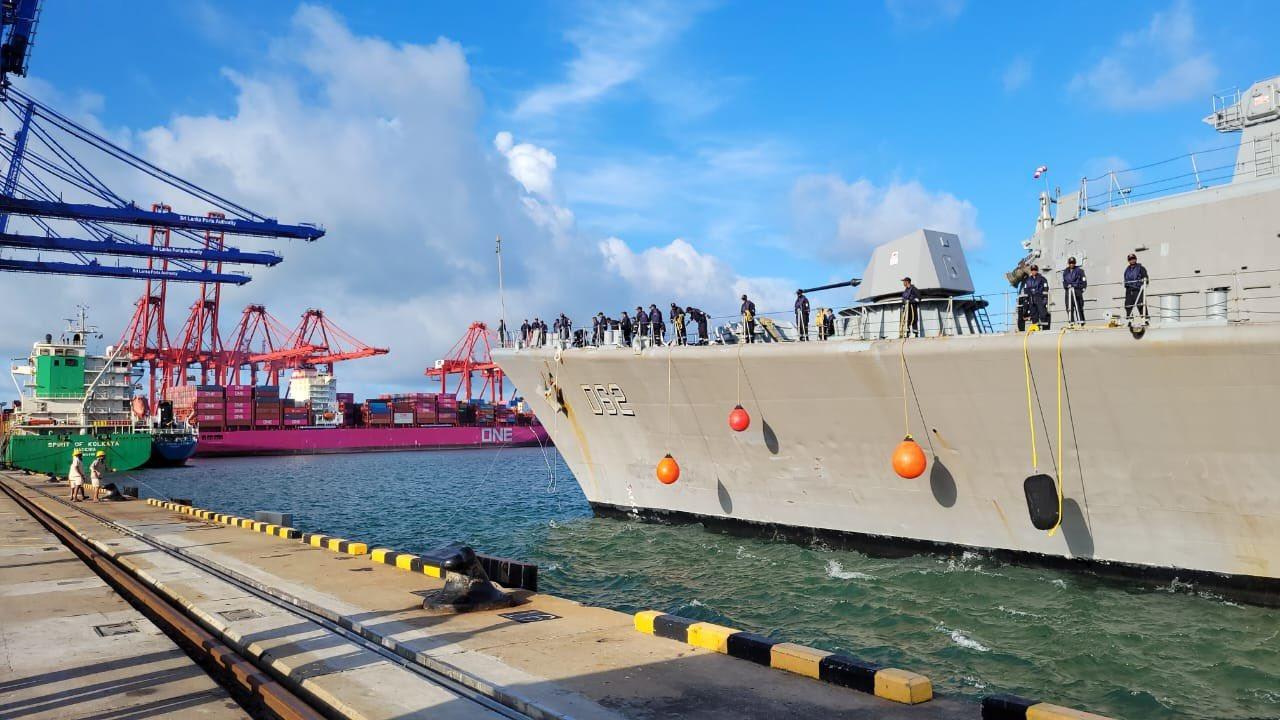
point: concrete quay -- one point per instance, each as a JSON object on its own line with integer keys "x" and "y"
{"x": 71, "y": 647}
{"x": 575, "y": 661}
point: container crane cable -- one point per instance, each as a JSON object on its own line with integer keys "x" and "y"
{"x": 97, "y": 141}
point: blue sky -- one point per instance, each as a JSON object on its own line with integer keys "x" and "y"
{"x": 656, "y": 150}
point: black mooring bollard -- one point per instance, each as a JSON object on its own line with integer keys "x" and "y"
{"x": 466, "y": 586}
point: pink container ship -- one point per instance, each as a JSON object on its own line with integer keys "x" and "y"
{"x": 310, "y": 441}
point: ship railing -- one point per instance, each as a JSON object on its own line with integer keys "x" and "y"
{"x": 1191, "y": 171}
{"x": 1232, "y": 297}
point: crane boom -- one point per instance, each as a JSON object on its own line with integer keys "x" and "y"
{"x": 134, "y": 215}
{"x": 109, "y": 246}
{"x": 94, "y": 269}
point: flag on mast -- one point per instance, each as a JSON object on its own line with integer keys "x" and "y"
{"x": 1041, "y": 171}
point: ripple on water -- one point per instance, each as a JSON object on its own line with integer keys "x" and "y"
{"x": 973, "y": 624}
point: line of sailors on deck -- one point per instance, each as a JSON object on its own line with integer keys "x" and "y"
{"x": 1033, "y": 296}
{"x": 652, "y": 323}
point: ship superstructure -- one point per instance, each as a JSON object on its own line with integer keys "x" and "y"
{"x": 1156, "y": 429}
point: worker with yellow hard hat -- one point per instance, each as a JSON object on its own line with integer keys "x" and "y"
{"x": 96, "y": 473}
{"x": 75, "y": 476}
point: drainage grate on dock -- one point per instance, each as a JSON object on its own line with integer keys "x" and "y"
{"x": 123, "y": 628}
{"x": 529, "y": 616}
{"x": 240, "y": 614}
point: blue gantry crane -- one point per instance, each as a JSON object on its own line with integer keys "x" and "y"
{"x": 50, "y": 157}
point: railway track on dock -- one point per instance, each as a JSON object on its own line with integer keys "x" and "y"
{"x": 257, "y": 687}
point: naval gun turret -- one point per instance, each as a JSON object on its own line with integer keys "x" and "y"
{"x": 935, "y": 262}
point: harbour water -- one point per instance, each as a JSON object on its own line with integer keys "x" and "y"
{"x": 974, "y": 625}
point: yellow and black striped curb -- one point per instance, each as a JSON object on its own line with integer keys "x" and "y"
{"x": 1012, "y": 707}
{"x": 888, "y": 683}
{"x": 232, "y": 520}
{"x": 505, "y": 572}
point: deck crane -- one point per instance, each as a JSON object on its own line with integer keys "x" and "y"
{"x": 471, "y": 355}
{"x": 336, "y": 345}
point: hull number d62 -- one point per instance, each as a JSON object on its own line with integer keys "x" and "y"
{"x": 607, "y": 400}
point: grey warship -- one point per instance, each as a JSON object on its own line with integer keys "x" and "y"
{"x": 1157, "y": 432}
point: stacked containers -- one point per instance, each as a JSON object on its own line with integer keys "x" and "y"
{"x": 505, "y": 415}
{"x": 425, "y": 410}
{"x": 203, "y": 404}
{"x": 402, "y": 412}
{"x": 295, "y": 414}
{"x": 239, "y": 405}
{"x": 447, "y": 409}
{"x": 485, "y": 414}
{"x": 266, "y": 406}
{"x": 377, "y": 412}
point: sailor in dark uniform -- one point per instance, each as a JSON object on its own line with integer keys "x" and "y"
{"x": 1036, "y": 288}
{"x": 802, "y": 315}
{"x": 656, "y": 324}
{"x": 1135, "y": 282}
{"x": 700, "y": 318}
{"x": 677, "y": 325}
{"x": 1073, "y": 284}
{"x": 748, "y": 319}
{"x": 910, "y": 308}
{"x": 642, "y": 322}
{"x": 524, "y": 333}
{"x": 625, "y": 325}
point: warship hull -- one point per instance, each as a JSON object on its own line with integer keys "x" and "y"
{"x": 1168, "y": 463}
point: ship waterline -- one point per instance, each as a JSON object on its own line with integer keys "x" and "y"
{"x": 1167, "y": 460}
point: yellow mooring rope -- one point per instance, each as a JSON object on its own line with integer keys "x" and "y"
{"x": 1031, "y": 418}
{"x": 906, "y": 415}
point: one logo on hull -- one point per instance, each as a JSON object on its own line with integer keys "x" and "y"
{"x": 496, "y": 435}
{"x": 607, "y": 400}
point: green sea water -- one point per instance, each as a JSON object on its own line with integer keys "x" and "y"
{"x": 975, "y": 626}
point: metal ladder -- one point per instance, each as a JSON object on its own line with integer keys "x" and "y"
{"x": 1263, "y": 155}
{"x": 984, "y": 321}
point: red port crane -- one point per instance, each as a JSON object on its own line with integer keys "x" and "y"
{"x": 471, "y": 355}
{"x": 201, "y": 343}
{"x": 146, "y": 339}
{"x": 258, "y": 329}
{"x": 331, "y": 343}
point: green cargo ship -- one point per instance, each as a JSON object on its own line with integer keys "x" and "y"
{"x": 72, "y": 399}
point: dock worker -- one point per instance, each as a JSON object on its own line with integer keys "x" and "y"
{"x": 678, "y": 325}
{"x": 802, "y": 315}
{"x": 625, "y": 325}
{"x": 1135, "y": 288}
{"x": 700, "y": 318}
{"x": 1073, "y": 284}
{"x": 524, "y": 333}
{"x": 910, "y": 308}
{"x": 97, "y": 471}
{"x": 748, "y": 311}
{"x": 75, "y": 476}
{"x": 656, "y": 324}
{"x": 642, "y": 322}
{"x": 1036, "y": 288}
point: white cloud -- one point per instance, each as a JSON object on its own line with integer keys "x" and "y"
{"x": 842, "y": 221}
{"x": 614, "y": 46}
{"x": 1016, "y": 74}
{"x": 533, "y": 166}
{"x": 677, "y": 272}
{"x": 410, "y": 190}
{"x": 924, "y": 13}
{"x": 1152, "y": 67}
